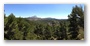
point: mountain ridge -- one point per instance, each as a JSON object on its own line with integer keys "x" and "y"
{"x": 35, "y": 18}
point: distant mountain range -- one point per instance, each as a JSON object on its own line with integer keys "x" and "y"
{"x": 35, "y": 18}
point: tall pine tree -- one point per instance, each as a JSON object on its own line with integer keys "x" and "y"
{"x": 75, "y": 18}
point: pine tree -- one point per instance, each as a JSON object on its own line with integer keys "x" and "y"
{"x": 9, "y": 26}
{"x": 74, "y": 18}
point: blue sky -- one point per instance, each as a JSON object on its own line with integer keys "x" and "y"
{"x": 59, "y": 11}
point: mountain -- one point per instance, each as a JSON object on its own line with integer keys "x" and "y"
{"x": 45, "y": 21}
{"x": 35, "y": 18}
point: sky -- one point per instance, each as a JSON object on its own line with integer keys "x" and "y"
{"x": 58, "y": 11}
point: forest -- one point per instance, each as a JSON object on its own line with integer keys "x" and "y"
{"x": 18, "y": 28}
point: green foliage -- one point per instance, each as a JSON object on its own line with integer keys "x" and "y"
{"x": 24, "y": 29}
{"x": 76, "y": 19}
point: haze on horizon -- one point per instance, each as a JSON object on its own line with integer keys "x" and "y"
{"x": 58, "y": 11}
